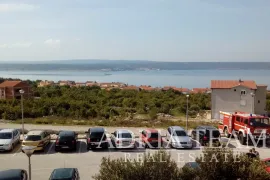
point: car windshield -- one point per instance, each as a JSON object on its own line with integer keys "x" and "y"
{"x": 154, "y": 135}
{"x": 213, "y": 132}
{"x": 259, "y": 122}
{"x": 5, "y": 135}
{"x": 66, "y": 138}
{"x": 33, "y": 138}
{"x": 125, "y": 135}
{"x": 179, "y": 133}
{"x": 97, "y": 135}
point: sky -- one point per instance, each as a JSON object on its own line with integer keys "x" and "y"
{"x": 158, "y": 30}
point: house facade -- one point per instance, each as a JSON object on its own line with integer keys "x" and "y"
{"x": 11, "y": 90}
{"x": 232, "y": 96}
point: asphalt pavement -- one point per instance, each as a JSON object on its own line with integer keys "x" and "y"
{"x": 88, "y": 161}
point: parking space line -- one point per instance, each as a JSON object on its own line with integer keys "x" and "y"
{"x": 50, "y": 148}
{"x": 79, "y": 149}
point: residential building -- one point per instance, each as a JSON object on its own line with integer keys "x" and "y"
{"x": 201, "y": 90}
{"x": 66, "y": 83}
{"x": 146, "y": 88}
{"x": 11, "y": 90}
{"x": 131, "y": 87}
{"x": 182, "y": 90}
{"x": 45, "y": 83}
{"x": 233, "y": 95}
{"x": 80, "y": 84}
{"x": 91, "y": 83}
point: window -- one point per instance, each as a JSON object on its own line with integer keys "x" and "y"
{"x": 243, "y": 92}
{"x": 238, "y": 119}
{"x": 259, "y": 101}
{"x": 242, "y": 120}
{"x": 246, "y": 121}
{"x": 234, "y": 89}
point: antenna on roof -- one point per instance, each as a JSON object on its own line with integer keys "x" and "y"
{"x": 240, "y": 80}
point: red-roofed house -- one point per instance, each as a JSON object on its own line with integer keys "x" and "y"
{"x": 182, "y": 90}
{"x": 233, "y": 95}
{"x": 146, "y": 88}
{"x": 201, "y": 90}
{"x": 10, "y": 90}
{"x": 131, "y": 87}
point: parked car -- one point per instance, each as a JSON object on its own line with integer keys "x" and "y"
{"x": 205, "y": 134}
{"x": 267, "y": 164}
{"x": 123, "y": 138}
{"x": 66, "y": 140}
{"x": 65, "y": 174}
{"x": 96, "y": 137}
{"x": 178, "y": 137}
{"x": 38, "y": 138}
{"x": 151, "y": 138}
{"x": 14, "y": 174}
{"x": 9, "y": 138}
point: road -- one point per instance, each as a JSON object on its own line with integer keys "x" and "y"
{"x": 86, "y": 161}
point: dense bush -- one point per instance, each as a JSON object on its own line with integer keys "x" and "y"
{"x": 151, "y": 167}
{"x": 222, "y": 163}
{"x": 96, "y": 103}
{"x": 214, "y": 165}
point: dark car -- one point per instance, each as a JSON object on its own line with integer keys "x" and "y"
{"x": 65, "y": 174}
{"x": 13, "y": 174}
{"x": 66, "y": 140}
{"x": 96, "y": 137}
{"x": 205, "y": 134}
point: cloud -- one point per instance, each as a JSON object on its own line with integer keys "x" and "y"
{"x": 52, "y": 42}
{"x": 77, "y": 39}
{"x": 16, "y": 45}
{"x": 17, "y": 7}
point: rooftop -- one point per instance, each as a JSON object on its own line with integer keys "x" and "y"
{"x": 177, "y": 128}
{"x": 227, "y": 84}
{"x": 66, "y": 133}
{"x": 62, "y": 173}
{"x": 10, "y": 83}
{"x": 97, "y": 129}
{"x": 35, "y": 132}
{"x": 7, "y": 130}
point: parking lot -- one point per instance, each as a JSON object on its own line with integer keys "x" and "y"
{"x": 88, "y": 161}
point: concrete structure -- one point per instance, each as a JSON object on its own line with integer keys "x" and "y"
{"x": 231, "y": 96}
{"x": 10, "y": 90}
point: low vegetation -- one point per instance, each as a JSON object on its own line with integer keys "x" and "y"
{"x": 93, "y": 103}
{"x": 214, "y": 165}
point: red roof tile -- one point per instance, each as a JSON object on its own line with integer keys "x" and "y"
{"x": 200, "y": 90}
{"x": 10, "y": 83}
{"x": 227, "y": 84}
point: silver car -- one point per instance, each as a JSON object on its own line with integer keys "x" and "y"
{"x": 178, "y": 138}
{"x": 9, "y": 138}
{"x": 123, "y": 138}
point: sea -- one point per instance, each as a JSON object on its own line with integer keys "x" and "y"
{"x": 155, "y": 78}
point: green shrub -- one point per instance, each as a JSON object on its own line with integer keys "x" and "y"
{"x": 152, "y": 167}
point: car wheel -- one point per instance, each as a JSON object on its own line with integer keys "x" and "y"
{"x": 242, "y": 139}
{"x": 226, "y": 133}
